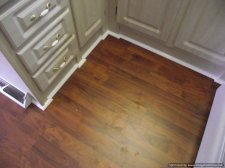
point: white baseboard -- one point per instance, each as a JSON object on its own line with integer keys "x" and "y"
{"x": 105, "y": 35}
{"x": 81, "y": 63}
{"x": 220, "y": 81}
{"x": 165, "y": 55}
{"x": 44, "y": 107}
{"x": 92, "y": 47}
{"x": 108, "y": 32}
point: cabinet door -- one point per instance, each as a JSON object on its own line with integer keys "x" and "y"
{"x": 152, "y": 17}
{"x": 203, "y": 30}
{"x": 88, "y": 16}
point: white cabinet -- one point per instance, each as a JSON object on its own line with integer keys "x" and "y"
{"x": 151, "y": 17}
{"x": 202, "y": 31}
{"x": 89, "y": 18}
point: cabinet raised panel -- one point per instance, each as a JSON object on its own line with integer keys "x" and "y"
{"x": 203, "y": 30}
{"x": 152, "y": 17}
{"x": 88, "y": 18}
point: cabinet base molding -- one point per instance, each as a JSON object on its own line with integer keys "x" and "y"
{"x": 215, "y": 77}
{"x": 42, "y": 107}
{"x": 110, "y": 33}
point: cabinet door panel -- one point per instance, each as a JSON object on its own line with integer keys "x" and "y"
{"x": 203, "y": 30}
{"x": 88, "y": 18}
{"x": 152, "y": 17}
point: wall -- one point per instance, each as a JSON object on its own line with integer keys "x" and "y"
{"x": 212, "y": 147}
{"x": 10, "y": 75}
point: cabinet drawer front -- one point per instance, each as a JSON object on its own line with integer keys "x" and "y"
{"x": 38, "y": 51}
{"x": 35, "y": 12}
{"x": 49, "y": 73}
{"x": 26, "y": 17}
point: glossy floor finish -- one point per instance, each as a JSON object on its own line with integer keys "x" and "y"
{"x": 125, "y": 108}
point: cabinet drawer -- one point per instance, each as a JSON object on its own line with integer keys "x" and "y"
{"x": 39, "y": 50}
{"x": 26, "y": 17}
{"x": 50, "y": 72}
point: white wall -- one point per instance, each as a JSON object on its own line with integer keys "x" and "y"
{"x": 212, "y": 147}
{"x": 10, "y": 75}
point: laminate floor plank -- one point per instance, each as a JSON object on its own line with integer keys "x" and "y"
{"x": 134, "y": 113}
{"x": 172, "y": 77}
{"x": 125, "y": 108}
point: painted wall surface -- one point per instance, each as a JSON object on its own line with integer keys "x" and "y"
{"x": 10, "y": 75}
{"x": 213, "y": 143}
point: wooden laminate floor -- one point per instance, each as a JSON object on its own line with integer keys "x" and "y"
{"x": 125, "y": 108}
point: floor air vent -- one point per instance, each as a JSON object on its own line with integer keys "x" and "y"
{"x": 21, "y": 98}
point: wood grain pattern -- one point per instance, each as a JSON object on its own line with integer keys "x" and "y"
{"x": 125, "y": 108}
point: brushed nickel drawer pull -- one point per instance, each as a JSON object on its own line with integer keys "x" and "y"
{"x": 65, "y": 59}
{"x": 43, "y": 13}
{"x": 56, "y": 41}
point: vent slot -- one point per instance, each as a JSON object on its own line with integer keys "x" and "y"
{"x": 19, "y": 97}
{"x": 15, "y": 93}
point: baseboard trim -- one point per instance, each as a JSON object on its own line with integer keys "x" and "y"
{"x": 44, "y": 107}
{"x": 165, "y": 55}
{"x": 81, "y": 63}
{"x": 220, "y": 81}
{"x": 108, "y": 32}
{"x": 92, "y": 47}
